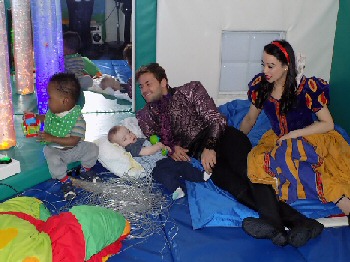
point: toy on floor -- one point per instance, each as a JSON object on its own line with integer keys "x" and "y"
{"x": 154, "y": 139}
{"x": 30, "y": 125}
{"x": 28, "y": 232}
{"x": 8, "y": 167}
{"x": 5, "y": 160}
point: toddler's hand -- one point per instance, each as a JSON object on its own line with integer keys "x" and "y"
{"x": 43, "y": 136}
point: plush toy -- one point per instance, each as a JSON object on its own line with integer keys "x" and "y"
{"x": 154, "y": 139}
{"x": 30, "y": 125}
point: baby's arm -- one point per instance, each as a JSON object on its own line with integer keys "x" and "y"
{"x": 63, "y": 141}
{"x": 150, "y": 150}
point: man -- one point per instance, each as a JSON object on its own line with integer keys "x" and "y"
{"x": 187, "y": 120}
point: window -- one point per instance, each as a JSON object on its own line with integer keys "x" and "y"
{"x": 241, "y": 54}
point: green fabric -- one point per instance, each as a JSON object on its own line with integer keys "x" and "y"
{"x": 339, "y": 79}
{"x": 61, "y": 126}
{"x": 28, "y": 205}
{"x": 20, "y": 241}
{"x": 145, "y": 40}
{"x": 101, "y": 227}
{"x": 89, "y": 67}
{"x": 44, "y": 212}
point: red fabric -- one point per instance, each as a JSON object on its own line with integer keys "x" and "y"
{"x": 29, "y": 218}
{"x": 112, "y": 249}
{"x": 67, "y": 238}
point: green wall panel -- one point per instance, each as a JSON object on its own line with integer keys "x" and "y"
{"x": 145, "y": 39}
{"x": 340, "y": 72}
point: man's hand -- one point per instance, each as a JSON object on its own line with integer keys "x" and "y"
{"x": 208, "y": 159}
{"x": 180, "y": 154}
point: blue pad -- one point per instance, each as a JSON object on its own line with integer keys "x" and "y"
{"x": 211, "y": 206}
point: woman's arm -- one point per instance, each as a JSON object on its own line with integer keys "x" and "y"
{"x": 249, "y": 119}
{"x": 323, "y": 125}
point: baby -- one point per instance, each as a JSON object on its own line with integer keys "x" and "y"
{"x": 164, "y": 171}
{"x": 124, "y": 137}
{"x": 111, "y": 82}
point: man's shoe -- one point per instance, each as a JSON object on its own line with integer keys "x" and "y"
{"x": 306, "y": 230}
{"x": 259, "y": 228}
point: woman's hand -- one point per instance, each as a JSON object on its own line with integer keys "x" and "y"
{"x": 180, "y": 154}
{"x": 292, "y": 134}
{"x": 208, "y": 159}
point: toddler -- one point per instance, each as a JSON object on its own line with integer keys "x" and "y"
{"x": 64, "y": 133}
{"x": 83, "y": 68}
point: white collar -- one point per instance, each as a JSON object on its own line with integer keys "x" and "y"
{"x": 62, "y": 114}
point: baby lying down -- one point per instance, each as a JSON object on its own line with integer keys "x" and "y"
{"x": 161, "y": 167}
{"x": 110, "y": 85}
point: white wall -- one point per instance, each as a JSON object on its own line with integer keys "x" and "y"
{"x": 112, "y": 22}
{"x": 189, "y": 34}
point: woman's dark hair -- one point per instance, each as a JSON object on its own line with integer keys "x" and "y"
{"x": 288, "y": 98}
{"x": 155, "y": 69}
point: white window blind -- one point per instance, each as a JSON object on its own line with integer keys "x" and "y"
{"x": 241, "y": 54}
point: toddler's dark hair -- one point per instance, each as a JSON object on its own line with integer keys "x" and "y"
{"x": 67, "y": 83}
{"x": 72, "y": 41}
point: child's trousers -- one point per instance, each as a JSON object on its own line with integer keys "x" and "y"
{"x": 171, "y": 173}
{"x": 58, "y": 159}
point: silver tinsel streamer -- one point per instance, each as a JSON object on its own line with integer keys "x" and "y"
{"x": 138, "y": 200}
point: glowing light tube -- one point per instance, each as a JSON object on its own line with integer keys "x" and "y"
{"x": 23, "y": 46}
{"x": 7, "y": 127}
{"x": 48, "y": 47}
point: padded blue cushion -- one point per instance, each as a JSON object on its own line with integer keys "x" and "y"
{"x": 211, "y": 207}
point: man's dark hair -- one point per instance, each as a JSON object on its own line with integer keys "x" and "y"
{"x": 67, "y": 84}
{"x": 72, "y": 41}
{"x": 127, "y": 53}
{"x": 155, "y": 69}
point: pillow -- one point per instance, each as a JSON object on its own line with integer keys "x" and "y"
{"x": 132, "y": 124}
{"x": 117, "y": 160}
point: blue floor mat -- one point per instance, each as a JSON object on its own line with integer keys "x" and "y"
{"x": 177, "y": 241}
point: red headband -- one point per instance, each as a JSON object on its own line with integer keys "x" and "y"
{"x": 284, "y": 51}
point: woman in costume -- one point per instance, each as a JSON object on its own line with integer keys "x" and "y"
{"x": 302, "y": 156}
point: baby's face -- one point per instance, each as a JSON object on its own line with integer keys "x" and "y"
{"x": 124, "y": 137}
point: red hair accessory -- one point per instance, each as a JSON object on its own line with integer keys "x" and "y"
{"x": 284, "y": 51}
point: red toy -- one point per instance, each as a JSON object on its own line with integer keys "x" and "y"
{"x": 30, "y": 125}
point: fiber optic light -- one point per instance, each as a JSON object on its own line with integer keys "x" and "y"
{"x": 7, "y": 128}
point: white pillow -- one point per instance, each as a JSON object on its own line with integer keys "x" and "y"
{"x": 117, "y": 160}
{"x": 133, "y": 125}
